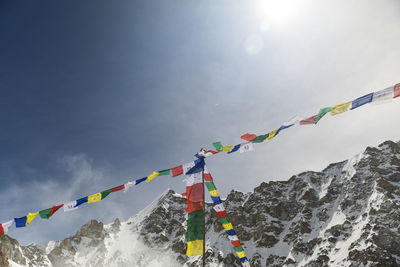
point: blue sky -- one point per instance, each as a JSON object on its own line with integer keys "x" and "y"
{"x": 97, "y": 93}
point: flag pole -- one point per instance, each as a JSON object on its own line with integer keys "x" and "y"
{"x": 204, "y": 223}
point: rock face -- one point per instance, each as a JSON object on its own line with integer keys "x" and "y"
{"x": 346, "y": 215}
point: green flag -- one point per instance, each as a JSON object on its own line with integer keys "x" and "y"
{"x": 322, "y": 113}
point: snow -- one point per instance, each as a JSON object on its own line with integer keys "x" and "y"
{"x": 349, "y": 166}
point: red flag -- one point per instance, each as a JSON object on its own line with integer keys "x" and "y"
{"x": 310, "y": 120}
{"x": 222, "y": 214}
{"x": 248, "y": 137}
{"x": 1, "y": 230}
{"x": 236, "y": 243}
{"x": 177, "y": 171}
{"x": 54, "y": 209}
{"x": 117, "y": 188}
{"x": 396, "y": 90}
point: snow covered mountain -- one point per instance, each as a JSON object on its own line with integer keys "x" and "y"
{"x": 346, "y": 215}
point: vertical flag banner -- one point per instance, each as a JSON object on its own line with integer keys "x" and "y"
{"x": 246, "y": 148}
{"x": 396, "y": 90}
{"x": 361, "y": 101}
{"x": 195, "y": 210}
{"x": 224, "y": 219}
{"x": 340, "y": 108}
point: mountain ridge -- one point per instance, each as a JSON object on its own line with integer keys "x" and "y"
{"x": 345, "y": 215}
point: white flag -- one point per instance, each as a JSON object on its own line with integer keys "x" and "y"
{"x": 233, "y": 237}
{"x": 383, "y": 96}
{"x": 246, "y": 264}
{"x": 7, "y": 225}
{"x": 70, "y": 206}
{"x": 194, "y": 178}
{"x": 246, "y": 147}
{"x": 220, "y": 207}
{"x": 129, "y": 185}
{"x": 187, "y": 166}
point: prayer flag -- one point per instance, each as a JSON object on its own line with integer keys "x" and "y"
{"x": 94, "y": 198}
{"x": 245, "y": 262}
{"x": 248, "y": 137}
{"x": 219, "y": 207}
{"x": 322, "y": 112}
{"x": 4, "y": 227}
{"x": 177, "y": 171}
{"x": 361, "y": 101}
{"x": 272, "y": 134}
{"x": 152, "y": 176}
{"x": 238, "y": 249}
{"x": 129, "y": 185}
{"x": 236, "y": 243}
{"x": 260, "y": 138}
{"x": 81, "y": 201}
{"x": 198, "y": 167}
{"x": 218, "y": 146}
{"x": 224, "y": 220}
{"x": 210, "y": 185}
{"x": 227, "y": 148}
{"x": 47, "y": 213}
{"x": 308, "y": 121}
{"x": 187, "y": 166}
{"x": 283, "y": 127}
{"x": 138, "y": 181}
{"x": 233, "y": 237}
{"x": 20, "y": 222}
{"x": 205, "y": 154}
{"x": 293, "y": 121}
{"x": 227, "y": 226}
{"x": 340, "y": 108}
{"x": 194, "y": 248}
{"x": 383, "y": 96}
{"x": 216, "y": 200}
{"x": 234, "y": 149}
{"x": 241, "y": 254}
{"x": 117, "y": 188}
{"x": 246, "y": 148}
{"x": 396, "y": 90}
{"x": 164, "y": 172}
{"x": 30, "y": 217}
{"x": 70, "y": 206}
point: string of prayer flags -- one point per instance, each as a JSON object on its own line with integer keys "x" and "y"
{"x": 5, "y": 226}
{"x": 341, "y": 108}
{"x": 361, "y": 101}
{"x": 26, "y": 220}
{"x": 248, "y": 137}
{"x": 322, "y": 112}
{"x": 224, "y": 219}
{"x": 47, "y": 213}
{"x": 195, "y": 210}
{"x": 152, "y": 176}
{"x": 396, "y": 90}
{"x": 310, "y": 120}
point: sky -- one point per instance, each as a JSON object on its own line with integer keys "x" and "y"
{"x": 97, "y": 93}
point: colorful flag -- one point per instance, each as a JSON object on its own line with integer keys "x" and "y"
{"x": 138, "y": 181}
{"x": 340, "y": 108}
{"x": 218, "y": 146}
{"x": 117, "y": 188}
{"x": 81, "y": 201}
{"x": 234, "y": 149}
{"x": 227, "y": 148}
{"x": 272, "y": 134}
{"x": 70, "y": 206}
{"x": 322, "y": 112}
{"x": 260, "y": 138}
{"x": 194, "y": 208}
{"x": 308, "y": 121}
{"x": 396, "y": 90}
{"x": 4, "y": 227}
{"x": 152, "y": 176}
{"x": 98, "y": 196}
{"x": 361, "y": 101}
{"x": 26, "y": 220}
{"x": 129, "y": 185}
{"x": 47, "y": 213}
{"x": 177, "y": 171}
{"x": 248, "y": 137}
{"x": 246, "y": 148}
{"x": 164, "y": 172}
{"x": 30, "y": 217}
{"x": 383, "y": 96}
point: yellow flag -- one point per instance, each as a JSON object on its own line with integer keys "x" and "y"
{"x": 227, "y": 226}
{"x": 241, "y": 254}
{"x": 227, "y": 148}
{"x": 340, "y": 108}
{"x": 194, "y": 248}
{"x": 30, "y": 217}
{"x": 152, "y": 176}
{"x": 214, "y": 193}
{"x": 272, "y": 134}
{"x": 94, "y": 198}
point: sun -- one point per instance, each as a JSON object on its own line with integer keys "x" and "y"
{"x": 275, "y": 11}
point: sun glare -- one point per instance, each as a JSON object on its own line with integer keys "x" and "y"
{"x": 275, "y": 11}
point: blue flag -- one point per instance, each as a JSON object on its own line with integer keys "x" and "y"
{"x": 20, "y": 222}
{"x": 81, "y": 201}
{"x": 362, "y": 101}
